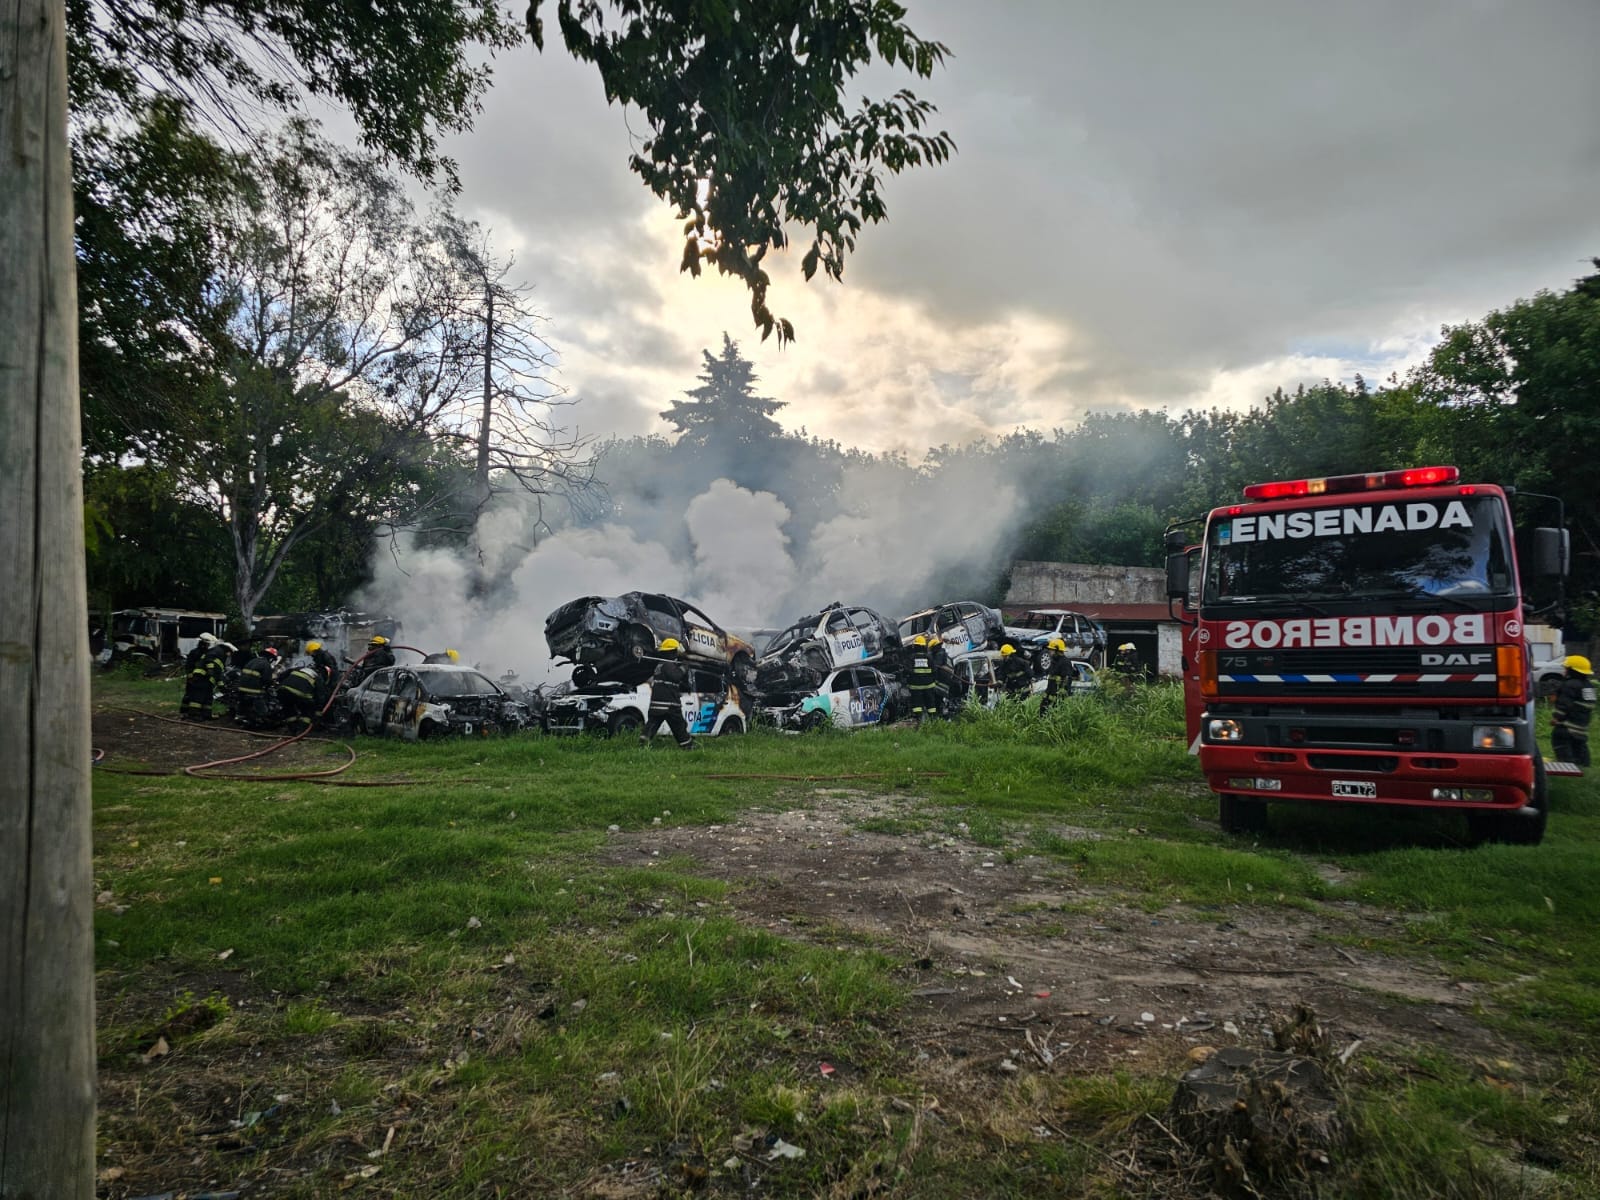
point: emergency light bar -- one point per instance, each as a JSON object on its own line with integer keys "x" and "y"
{"x": 1410, "y": 477}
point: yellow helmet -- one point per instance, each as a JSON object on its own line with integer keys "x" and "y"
{"x": 378, "y": 640}
{"x": 1057, "y": 645}
{"x": 313, "y": 647}
{"x": 670, "y": 644}
{"x": 1125, "y": 646}
{"x": 919, "y": 640}
{"x": 1007, "y": 650}
{"x": 1577, "y": 662}
{"x": 454, "y": 657}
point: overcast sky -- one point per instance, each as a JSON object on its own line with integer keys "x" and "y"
{"x": 1155, "y": 204}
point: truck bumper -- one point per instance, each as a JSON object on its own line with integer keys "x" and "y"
{"x": 1494, "y": 781}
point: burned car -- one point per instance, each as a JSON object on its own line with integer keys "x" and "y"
{"x": 964, "y": 626}
{"x": 609, "y": 637}
{"x": 847, "y": 698}
{"x": 837, "y": 636}
{"x": 711, "y": 707}
{"x": 1085, "y": 637}
{"x": 431, "y": 700}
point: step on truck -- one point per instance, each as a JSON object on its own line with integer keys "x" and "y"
{"x": 1361, "y": 640}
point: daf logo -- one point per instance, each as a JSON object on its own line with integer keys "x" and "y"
{"x": 1457, "y": 660}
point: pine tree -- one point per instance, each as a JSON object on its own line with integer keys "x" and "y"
{"x": 724, "y": 410}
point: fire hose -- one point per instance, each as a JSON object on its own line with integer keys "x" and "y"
{"x": 194, "y": 769}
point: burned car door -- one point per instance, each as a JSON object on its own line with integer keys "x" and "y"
{"x": 664, "y": 618}
{"x": 867, "y": 697}
{"x": 871, "y": 629}
{"x": 844, "y": 641}
{"x": 703, "y": 637}
{"x": 400, "y": 708}
{"x": 704, "y": 700}
{"x": 370, "y": 697}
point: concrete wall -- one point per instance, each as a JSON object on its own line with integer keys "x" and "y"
{"x": 1075, "y": 585}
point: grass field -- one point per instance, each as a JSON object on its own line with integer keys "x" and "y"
{"x": 441, "y": 986}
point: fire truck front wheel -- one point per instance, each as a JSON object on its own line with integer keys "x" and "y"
{"x": 1239, "y": 814}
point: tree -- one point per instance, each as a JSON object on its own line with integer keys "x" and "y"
{"x": 748, "y": 128}
{"x": 47, "y": 1057}
{"x": 725, "y": 408}
{"x": 1515, "y": 398}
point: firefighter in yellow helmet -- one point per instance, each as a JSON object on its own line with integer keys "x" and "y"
{"x": 667, "y": 684}
{"x": 1569, "y": 724}
{"x": 924, "y": 683}
{"x": 447, "y": 656}
{"x": 1056, "y": 674}
{"x": 1016, "y": 676}
{"x": 377, "y": 657}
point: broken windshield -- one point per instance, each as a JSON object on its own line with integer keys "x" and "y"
{"x": 1456, "y": 548}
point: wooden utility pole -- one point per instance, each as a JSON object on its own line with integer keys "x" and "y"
{"x": 47, "y": 1057}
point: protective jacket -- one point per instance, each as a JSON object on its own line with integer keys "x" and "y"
{"x": 1016, "y": 677}
{"x": 1575, "y": 703}
{"x": 668, "y": 684}
{"x": 256, "y": 675}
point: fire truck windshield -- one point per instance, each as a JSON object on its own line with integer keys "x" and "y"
{"x": 1454, "y": 548}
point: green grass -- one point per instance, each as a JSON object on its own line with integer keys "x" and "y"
{"x": 453, "y": 959}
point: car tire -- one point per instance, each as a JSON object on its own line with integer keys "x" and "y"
{"x": 1237, "y": 814}
{"x": 638, "y": 642}
{"x": 624, "y": 724}
{"x": 732, "y": 727}
{"x": 584, "y": 676}
{"x": 813, "y": 722}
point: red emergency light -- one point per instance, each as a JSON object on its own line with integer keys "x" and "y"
{"x": 1410, "y": 477}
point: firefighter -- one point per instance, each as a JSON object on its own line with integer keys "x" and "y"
{"x": 377, "y": 657}
{"x": 1016, "y": 677}
{"x": 1055, "y": 675}
{"x": 298, "y": 693}
{"x": 255, "y": 678}
{"x": 667, "y": 684}
{"x": 327, "y": 668}
{"x": 924, "y": 686}
{"x": 1569, "y": 726}
{"x": 449, "y": 656}
{"x": 1127, "y": 661}
{"x": 200, "y": 685}
{"x": 201, "y": 644}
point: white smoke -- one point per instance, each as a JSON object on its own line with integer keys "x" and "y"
{"x": 885, "y": 549}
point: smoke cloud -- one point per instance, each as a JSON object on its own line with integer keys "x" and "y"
{"x": 889, "y": 537}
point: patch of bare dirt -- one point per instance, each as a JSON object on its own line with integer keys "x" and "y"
{"x": 132, "y": 740}
{"x": 1007, "y": 951}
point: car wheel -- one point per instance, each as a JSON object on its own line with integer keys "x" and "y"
{"x": 638, "y": 642}
{"x": 1240, "y": 815}
{"x": 623, "y": 724}
{"x": 813, "y": 722}
{"x": 584, "y": 675}
{"x": 732, "y": 727}
{"x": 428, "y": 729}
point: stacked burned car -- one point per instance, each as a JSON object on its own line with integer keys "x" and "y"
{"x": 844, "y": 698}
{"x": 820, "y": 642}
{"x": 609, "y": 638}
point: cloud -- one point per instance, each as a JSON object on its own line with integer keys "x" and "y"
{"x": 1159, "y": 205}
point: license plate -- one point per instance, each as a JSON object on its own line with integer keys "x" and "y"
{"x": 1355, "y": 787}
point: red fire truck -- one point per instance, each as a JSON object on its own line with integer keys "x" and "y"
{"x": 1359, "y": 639}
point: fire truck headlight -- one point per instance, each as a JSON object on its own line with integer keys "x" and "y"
{"x": 1222, "y": 729}
{"x": 1494, "y": 737}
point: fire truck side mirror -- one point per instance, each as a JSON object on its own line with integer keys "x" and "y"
{"x": 1178, "y": 575}
{"x": 1551, "y": 557}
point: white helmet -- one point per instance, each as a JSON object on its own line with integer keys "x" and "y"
{"x": 207, "y": 639}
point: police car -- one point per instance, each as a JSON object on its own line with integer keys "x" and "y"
{"x": 847, "y": 698}
{"x": 710, "y": 708}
